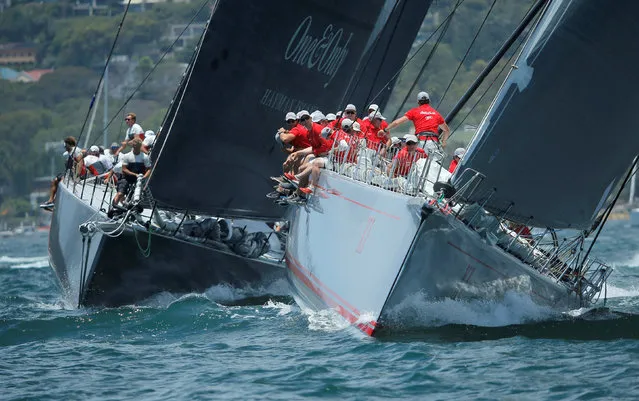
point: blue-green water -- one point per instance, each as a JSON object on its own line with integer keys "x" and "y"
{"x": 208, "y": 346}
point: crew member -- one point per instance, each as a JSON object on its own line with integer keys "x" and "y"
{"x": 406, "y": 157}
{"x": 134, "y": 164}
{"x": 458, "y": 155}
{"x": 427, "y": 123}
{"x": 74, "y": 162}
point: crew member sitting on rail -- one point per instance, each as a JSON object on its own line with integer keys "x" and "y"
{"x": 427, "y": 123}
{"x": 457, "y": 156}
{"x": 321, "y": 144}
{"x": 94, "y": 163}
{"x": 346, "y": 143}
{"x": 134, "y": 164}
{"x": 372, "y": 127}
{"x": 295, "y": 139}
{"x": 149, "y": 141}
{"x": 350, "y": 112}
{"x": 74, "y": 162}
{"x": 371, "y": 109}
{"x": 406, "y": 157}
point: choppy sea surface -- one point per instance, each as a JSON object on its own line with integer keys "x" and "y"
{"x": 216, "y": 345}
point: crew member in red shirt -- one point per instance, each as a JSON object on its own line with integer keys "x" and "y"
{"x": 427, "y": 121}
{"x": 372, "y": 127}
{"x": 459, "y": 154}
{"x": 405, "y": 158}
{"x": 295, "y": 138}
{"x": 346, "y": 143}
{"x": 321, "y": 144}
{"x": 350, "y": 112}
{"x": 295, "y": 134}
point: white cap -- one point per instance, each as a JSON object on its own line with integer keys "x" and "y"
{"x": 422, "y": 96}
{"x": 350, "y": 107}
{"x": 326, "y": 132}
{"x": 302, "y": 113}
{"x": 376, "y": 114}
{"x": 331, "y": 117}
{"x": 373, "y": 107}
{"x": 460, "y": 152}
{"x": 347, "y": 123}
{"x": 395, "y": 140}
{"x": 317, "y": 116}
{"x": 356, "y": 127}
{"x": 94, "y": 148}
{"x": 149, "y": 133}
{"x": 338, "y": 114}
{"x": 411, "y": 138}
{"x": 290, "y": 116}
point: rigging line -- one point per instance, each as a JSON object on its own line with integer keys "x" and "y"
{"x": 390, "y": 40}
{"x": 461, "y": 63}
{"x": 430, "y": 56}
{"x": 631, "y": 171}
{"x": 510, "y": 60}
{"x": 115, "y": 41}
{"x": 528, "y": 18}
{"x": 410, "y": 58}
{"x": 348, "y": 92}
{"x": 204, "y": 3}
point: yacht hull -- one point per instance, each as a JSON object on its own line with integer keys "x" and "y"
{"x": 118, "y": 272}
{"x": 363, "y": 251}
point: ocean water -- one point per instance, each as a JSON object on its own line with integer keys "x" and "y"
{"x": 217, "y": 345}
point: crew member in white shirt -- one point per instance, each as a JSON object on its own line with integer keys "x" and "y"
{"x": 134, "y": 164}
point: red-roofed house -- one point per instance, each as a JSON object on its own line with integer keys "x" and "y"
{"x": 37, "y": 74}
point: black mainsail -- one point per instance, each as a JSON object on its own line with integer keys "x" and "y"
{"x": 219, "y": 151}
{"x": 556, "y": 166}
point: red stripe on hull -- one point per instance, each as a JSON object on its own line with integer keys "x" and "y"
{"x": 334, "y": 301}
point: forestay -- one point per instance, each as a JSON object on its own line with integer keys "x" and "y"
{"x": 258, "y": 60}
{"x": 562, "y": 131}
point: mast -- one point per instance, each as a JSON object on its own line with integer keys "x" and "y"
{"x": 105, "y": 120}
{"x": 633, "y": 184}
{"x": 95, "y": 109}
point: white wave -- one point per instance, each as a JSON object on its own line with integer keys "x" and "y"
{"x": 11, "y": 259}
{"x": 33, "y": 265}
{"x": 514, "y": 308}
{"x": 632, "y": 262}
{"x": 281, "y": 307}
{"x": 616, "y": 292}
{"x": 227, "y": 293}
{"x": 53, "y": 307}
{"x": 327, "y": 320}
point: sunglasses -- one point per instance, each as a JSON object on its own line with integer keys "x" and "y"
{"x": 350, "y": 112}
{"x": 290, "y": 121}
{"x": 127, "y": 119}
{"x": 305, "y": 118}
